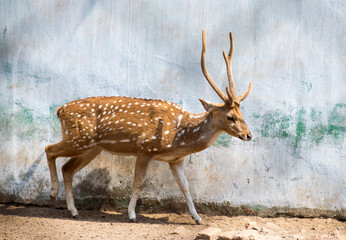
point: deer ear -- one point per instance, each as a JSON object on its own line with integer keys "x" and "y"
{"x": 208, "y": 106}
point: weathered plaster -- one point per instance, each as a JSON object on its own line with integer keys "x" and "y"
{"x": 52, "y": 52}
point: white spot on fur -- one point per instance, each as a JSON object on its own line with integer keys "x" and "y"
{"x": 166, "y": 132}
{"x": 180, "y": 117}
{"x": 196, "y": 129}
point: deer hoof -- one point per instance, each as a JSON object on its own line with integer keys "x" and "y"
{"x": 52, "y": 199}
{"x": 199, "y": 221}
{"x": 133, "y": 220}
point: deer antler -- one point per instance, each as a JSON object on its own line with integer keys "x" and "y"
{"x": 232, "y": 92}
{"x": 205, "y": 71}
{"x": 231, "y": 96}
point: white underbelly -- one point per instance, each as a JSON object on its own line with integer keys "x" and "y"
{"x": 119, "y": 153}
{"x": 166, "y": 158}
{"x": 158, "y": 157}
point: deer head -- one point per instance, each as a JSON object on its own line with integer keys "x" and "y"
{"x": 227, "y": 115}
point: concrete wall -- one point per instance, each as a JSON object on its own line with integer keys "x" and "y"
{"x": 52, "y": 52}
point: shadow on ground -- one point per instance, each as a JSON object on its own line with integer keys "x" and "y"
{"x": 121, "y": 216}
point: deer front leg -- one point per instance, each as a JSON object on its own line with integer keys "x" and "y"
{"x": 140, "y": 171}
{"x": 179, "y": 175}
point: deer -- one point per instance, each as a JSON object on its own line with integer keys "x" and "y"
{"x": 150, "y": 129}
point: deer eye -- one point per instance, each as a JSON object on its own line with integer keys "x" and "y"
{"x": 230, "y": 118}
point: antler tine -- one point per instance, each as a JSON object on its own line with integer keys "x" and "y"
{"x": 228, "y": 60}
{"x": 230, "y": 54}
{"x": 205, "y": 71}
{"x": 230, "y": 101}
{"x": 244, "y": 95}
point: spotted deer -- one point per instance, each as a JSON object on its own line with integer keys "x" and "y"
{"x": 147, "y": 128}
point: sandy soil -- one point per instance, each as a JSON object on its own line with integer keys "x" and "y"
{"x": 33, "y": 222}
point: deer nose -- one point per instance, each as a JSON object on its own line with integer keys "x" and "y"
{"x": 248, "y": 136}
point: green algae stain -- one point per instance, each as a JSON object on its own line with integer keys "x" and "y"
{"x": 315, "y": 115}
{"x": 223, "y": 141}
{"x": 300, "y": 128}
{"x": 337, "y": 121}
{"x": 276, "y": 124}
{"x": 318, "y": 130}
{"x": 24, "y": 121}
{"x": 24, "y": 116}
{"x": 53, "y": 118}
{"x": 307, "y": 85}
{"x": 6, "y": 125}
{"x": 317, "y": 133}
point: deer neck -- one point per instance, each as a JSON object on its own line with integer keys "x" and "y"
{"x": 197, "y": 132}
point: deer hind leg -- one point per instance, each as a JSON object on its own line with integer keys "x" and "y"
{"x": 179, "y": 175}
{"x": 140, "y": 171}
{"x": 61, "y": 149}
{"x": 70, "y": 169}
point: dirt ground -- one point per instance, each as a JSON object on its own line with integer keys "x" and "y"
{"x": 34, "y": 222}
